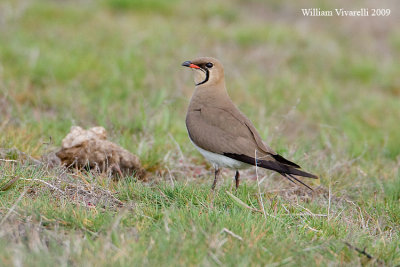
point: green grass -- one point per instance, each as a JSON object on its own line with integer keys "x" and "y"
{"x": 324, "y": 92}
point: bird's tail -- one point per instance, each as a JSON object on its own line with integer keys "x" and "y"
{"x": 287, "y": 171}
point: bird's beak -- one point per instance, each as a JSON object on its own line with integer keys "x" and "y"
{"x": 190, "y": 65}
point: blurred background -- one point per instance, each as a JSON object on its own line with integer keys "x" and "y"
{"x": 321, "y": 90}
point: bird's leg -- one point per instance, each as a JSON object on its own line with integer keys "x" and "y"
{"x": 216, "y": 172}
{"x": 237, "y": 179}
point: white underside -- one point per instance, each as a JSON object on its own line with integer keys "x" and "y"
{"x": 219, "y": 161}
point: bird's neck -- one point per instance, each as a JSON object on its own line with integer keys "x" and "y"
{"x": 210, "y": 95}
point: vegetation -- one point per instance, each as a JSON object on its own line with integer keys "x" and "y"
{"x": 322, "y": 91}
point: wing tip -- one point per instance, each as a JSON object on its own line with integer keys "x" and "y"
{"x": 277, "y": 165}
{"x": 281, "y": 159}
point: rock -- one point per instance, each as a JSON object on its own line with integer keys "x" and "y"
{"x": 90, "y": 148}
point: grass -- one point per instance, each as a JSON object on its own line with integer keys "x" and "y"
{"x": 322, "y": 91}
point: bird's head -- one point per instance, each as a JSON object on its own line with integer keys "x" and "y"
{"x": 207, "y": 70}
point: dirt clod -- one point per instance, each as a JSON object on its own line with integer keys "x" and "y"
{"x": 91, "y": 149}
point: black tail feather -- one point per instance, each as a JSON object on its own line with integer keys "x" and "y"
{"x": 286, "y": 170}
{"x": 299, "y": 181}
{"x": 287, "y": 177}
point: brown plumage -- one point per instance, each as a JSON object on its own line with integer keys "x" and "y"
{"x": 223, "y": 134}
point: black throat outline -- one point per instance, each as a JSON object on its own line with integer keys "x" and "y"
{"x": 207, "y": 76}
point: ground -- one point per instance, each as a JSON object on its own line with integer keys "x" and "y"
{"x": 322, "y": 91}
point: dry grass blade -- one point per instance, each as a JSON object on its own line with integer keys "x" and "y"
{"x": 21, "y": 156}
{"x": 258, "y": 186}
{"x": 44, "y": 182}
{"x": 13, "y": 206}
{"x": 8, "y": 160}
{"x": 9, "y": 183}
{"x": 241, "y": 203}
{"x": 232, "y": 234}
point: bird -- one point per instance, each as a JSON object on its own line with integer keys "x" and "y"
{"x": 223, "y": 134}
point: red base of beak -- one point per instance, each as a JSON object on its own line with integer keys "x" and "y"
{"x": 193, "y": 66}
{"x": 190, "y": 65}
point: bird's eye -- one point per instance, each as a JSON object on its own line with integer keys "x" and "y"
{"x": 209, "y": 65}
